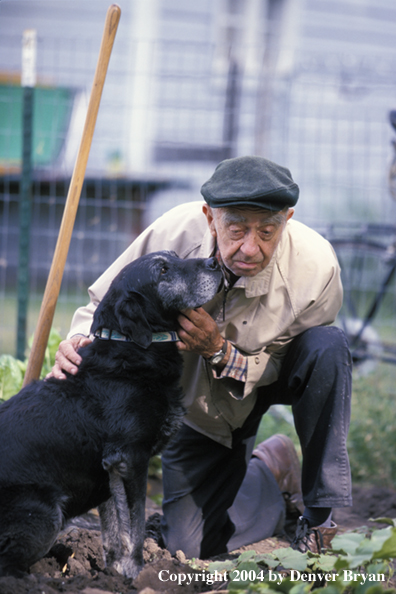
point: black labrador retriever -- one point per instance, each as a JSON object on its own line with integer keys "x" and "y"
{"x": 67, "y": 446}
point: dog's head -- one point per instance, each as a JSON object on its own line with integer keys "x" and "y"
{"x": 147, "y": 295}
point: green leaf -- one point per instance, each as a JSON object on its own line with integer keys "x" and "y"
{"x": 388, "y": 548}
{"x": 341, "y": 563}
{"x": 11, "y": 376}
{"x": 381, "y": 545}
{"x": 246, "y": 556}
{"x": 221, "y": 566}
{"x": 324, "y": 563}
{"x": 390, "y": 521}
{"x": 291, "y": 559}
{"x": 334, "y": 588}
{"x": 359, "y": 550}
{"x": 347, "y": 542}
{"x": 300, "y": 588}
{"x": 378, "y": 567}
{"x": 369, "y": 588}
{"x": 237, "y": 575}
{"x": 268, "y": 559}
{"x": 259, "y": 588}
{"x": 286, "y": 586}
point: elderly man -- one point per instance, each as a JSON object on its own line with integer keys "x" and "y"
{"x": 265, "y": 339}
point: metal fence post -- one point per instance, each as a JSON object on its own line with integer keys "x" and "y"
{"x": 28, "y": 81}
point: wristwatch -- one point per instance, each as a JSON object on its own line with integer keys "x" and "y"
{"x": 219, "y": 356}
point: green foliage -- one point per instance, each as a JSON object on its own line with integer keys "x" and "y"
{"x": 155, "y": 467}
{"x": 372, "y": 436}
{"x": 357, "y": 564}
{"x": 359, "y": 550}
{"x": 276, "y": 421}
{"x": 12, "y": 371}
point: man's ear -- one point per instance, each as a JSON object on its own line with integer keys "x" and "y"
{"x": 206, "y": 209}
{"x": 132, "y": 321}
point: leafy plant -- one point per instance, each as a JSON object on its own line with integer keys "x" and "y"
{"x": 12, "y": 371}
{"x": 358, "y": 563}
{"x": 372, "y": 436}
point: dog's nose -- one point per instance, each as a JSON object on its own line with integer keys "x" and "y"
{"x": 212, "y": 264}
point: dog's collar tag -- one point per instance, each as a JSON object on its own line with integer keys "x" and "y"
{"x": 106, "y": 334}
{"x": 165, "y": 336}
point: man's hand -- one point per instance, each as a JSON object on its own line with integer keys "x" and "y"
{"x": 199, "y": 333}
{"x": 67, "y": 358}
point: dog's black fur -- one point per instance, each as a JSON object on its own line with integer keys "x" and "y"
{"x": 67, "y": 446}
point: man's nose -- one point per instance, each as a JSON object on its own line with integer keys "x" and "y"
{"x": 250, "y": 246}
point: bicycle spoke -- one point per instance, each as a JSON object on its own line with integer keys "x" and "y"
{"x": 368, "y": 312}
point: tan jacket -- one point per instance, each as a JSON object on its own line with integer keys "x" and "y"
{"x": 299, "y": 289}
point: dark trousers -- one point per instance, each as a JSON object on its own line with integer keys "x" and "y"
{"x": 218, "y": 498}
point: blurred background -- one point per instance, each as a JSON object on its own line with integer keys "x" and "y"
{"x": 309, "y": 84}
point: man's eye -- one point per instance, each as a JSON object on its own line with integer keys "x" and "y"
{"x": 236, "y": 233}
{"x": 267, "y": 234}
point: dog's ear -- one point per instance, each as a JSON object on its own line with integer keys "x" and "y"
{"x": 132, "y": 321}
{"x": 127, "y": 315}
{"x": 100, "y": 319}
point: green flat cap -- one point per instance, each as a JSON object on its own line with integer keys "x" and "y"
{"x": 250, "y": 181}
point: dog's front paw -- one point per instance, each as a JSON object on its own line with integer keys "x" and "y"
{"x": 128, "y": 567}
{"x": 116, "y": 462}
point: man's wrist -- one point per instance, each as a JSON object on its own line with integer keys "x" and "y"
{"x": 235, "y": 366}
{"x": 226, "y": 357}
{"x": 220, "y": 357}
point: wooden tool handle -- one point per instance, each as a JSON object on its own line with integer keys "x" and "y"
{"x": 52, "y": 288}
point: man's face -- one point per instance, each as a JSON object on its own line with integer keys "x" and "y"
{"x": 246, "y": 238}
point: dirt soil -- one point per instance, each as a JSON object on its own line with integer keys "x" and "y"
{"x": 75, "y": 563}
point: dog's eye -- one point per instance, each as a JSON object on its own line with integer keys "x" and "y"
{"x": 164, "y": 269}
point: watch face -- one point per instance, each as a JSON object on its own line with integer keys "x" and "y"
{"x": 219, "y": 356}
{"x": 216, "y": 359}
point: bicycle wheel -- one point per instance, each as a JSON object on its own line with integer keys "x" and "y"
{"x": 368, "y": 314}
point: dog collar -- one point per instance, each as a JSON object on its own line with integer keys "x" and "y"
{"x": 106, "y": 334}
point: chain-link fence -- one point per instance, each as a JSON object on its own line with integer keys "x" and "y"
{"x": 171, "y": 110}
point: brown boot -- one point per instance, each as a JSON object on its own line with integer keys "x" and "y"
{"x": 279, "y": 454}
{"x": 316, "y": 539}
